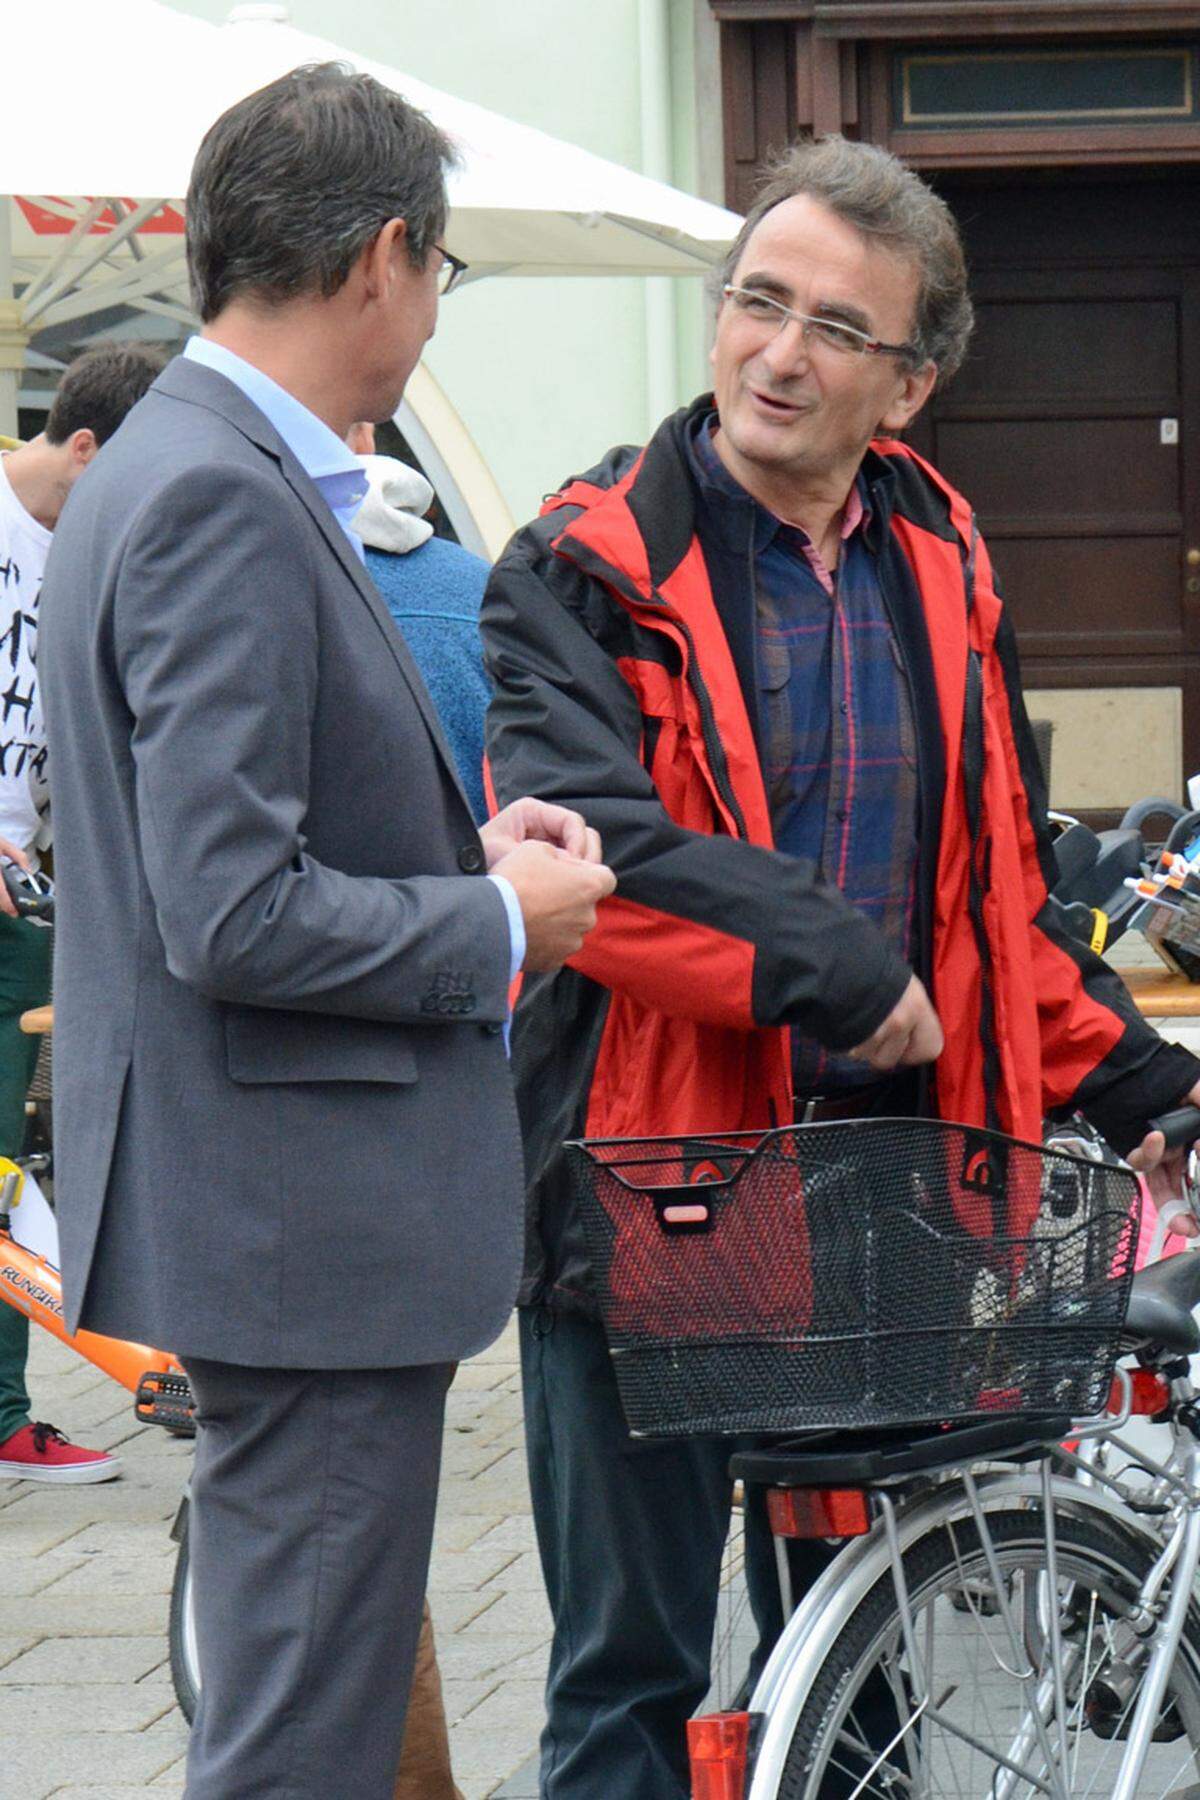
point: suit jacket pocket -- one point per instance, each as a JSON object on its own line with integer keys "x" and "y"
{"x": 265, "y": 1044}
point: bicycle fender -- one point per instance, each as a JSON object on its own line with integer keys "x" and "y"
{"x": 810, "y": 1633}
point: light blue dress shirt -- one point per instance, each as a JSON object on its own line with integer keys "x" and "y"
{"x": 338, "y": 476}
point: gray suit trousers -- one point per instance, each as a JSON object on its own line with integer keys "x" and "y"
{"x": 312, "y": 1514}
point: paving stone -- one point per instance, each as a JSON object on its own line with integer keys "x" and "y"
{"x": 77, "y": 1791}
{"x": 486, "y": 1376}
{"x": 12, "y": 1647}
{"x": 473, "y": 1569}
{"x": 513, "y": 1533}
{"x": 527, "y": 1614}
{"x": 25, "y": 1783}
{"x": 494, "y": 1754}
{"x": 116, "y": 1575}
{"x": 452, "y": 1612}
{"x": 119, "y": 1758}
{"x": 107, "y": 1660}
{"x": 32, "y": 1537}
{"x": 85, "y": 1615}
{"x": 117, "y": 1537}
{"x": 464, "y": 1657}
{"x": 22, "y": 1575}
{"x": 50, "y": 1705}
{"x": 511, "y": 1706}
{"x": 460, "y": 1698}
{"x": 451, "y": 1533}
{"x": 520, "y": 1574}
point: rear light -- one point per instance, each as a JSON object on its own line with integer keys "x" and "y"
{"x": 1149, "y": 1393}
{"x": 818, "y": 1512}
{"x": 719, "y": 1751}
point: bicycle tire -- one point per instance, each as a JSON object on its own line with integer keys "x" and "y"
{"x": 185, "y": 1672}
{"x": 934, "y": 1567}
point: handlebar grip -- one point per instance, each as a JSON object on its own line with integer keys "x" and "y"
{"x": 32, "y": 896}
{"x": 1181, "y": 1128}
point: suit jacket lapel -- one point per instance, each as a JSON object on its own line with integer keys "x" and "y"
{"x": 192, "y": 381}
{"x": 303, "y": 487}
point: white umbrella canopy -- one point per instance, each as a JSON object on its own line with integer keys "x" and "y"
{"x": 137, "y": 84}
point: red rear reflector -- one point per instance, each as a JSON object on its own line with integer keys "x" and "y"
{"x": 1151, "y": 1393}
{"x": 818, "y": 1512}
{"x": 718, "y": 1749}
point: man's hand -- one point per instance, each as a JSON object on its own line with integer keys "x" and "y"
{"x": 558, "y": 892}
{"x": 1164, "y": 1174}
{"x": 538, "y": 821}
{"x": 10, "y": 853}
{"x": 911, "y": 1033}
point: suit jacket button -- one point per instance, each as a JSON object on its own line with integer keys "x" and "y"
{"x": 493, "y": 1030}
{"x": 471, "y": 859}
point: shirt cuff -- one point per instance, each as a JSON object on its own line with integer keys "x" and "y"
{"x": 516, "y": 924}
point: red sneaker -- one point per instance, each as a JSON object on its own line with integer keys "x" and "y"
{"x": 41, "y": 1453}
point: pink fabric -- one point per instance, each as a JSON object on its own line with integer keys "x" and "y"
{"x": 852, "y": 518}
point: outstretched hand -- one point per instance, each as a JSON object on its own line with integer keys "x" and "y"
{"x": 1163, "y": 1173}
{"x": 539, "y": 821}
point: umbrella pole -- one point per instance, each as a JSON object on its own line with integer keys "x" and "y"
{"x": 13, "y": 336}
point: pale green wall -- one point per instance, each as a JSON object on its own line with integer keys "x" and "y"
{"x": 546, "y": 373}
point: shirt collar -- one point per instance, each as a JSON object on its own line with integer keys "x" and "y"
{"x": 717, "y": 484}
{"x": 328, "y": 462}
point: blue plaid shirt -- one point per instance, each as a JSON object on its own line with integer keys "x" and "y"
{"x": 836, "y": 729}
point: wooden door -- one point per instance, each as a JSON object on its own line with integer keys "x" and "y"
{"x": 1073, "y": 429}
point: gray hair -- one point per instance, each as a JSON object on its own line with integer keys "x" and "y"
{"x": 291, "y": 184}
{"x": 889, "y": 204}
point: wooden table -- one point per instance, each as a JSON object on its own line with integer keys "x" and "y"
{"x": 1159, "y": 994}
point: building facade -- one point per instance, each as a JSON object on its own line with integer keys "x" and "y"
{"x": 1065, "y": 134}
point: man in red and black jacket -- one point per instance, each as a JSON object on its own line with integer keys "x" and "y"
{"x": 766, "y": 658}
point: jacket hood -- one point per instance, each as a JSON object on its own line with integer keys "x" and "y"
{"x": 392, "y": 515}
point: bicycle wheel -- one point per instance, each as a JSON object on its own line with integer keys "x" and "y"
{"x": 185, "y": 1663}
{"x": 978, "y": 1735}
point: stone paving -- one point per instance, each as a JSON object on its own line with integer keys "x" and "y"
{"x": 86, "y": 1704}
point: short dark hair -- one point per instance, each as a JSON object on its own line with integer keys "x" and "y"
{"x": 100, "y": 387}
{"x": 292, "y": 183}
{"x": 872, "y": 190}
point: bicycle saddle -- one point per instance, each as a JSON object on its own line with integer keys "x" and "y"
{"x": 1161, "y": 1301}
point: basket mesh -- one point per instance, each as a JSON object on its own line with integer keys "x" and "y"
{"x": 855, "y": 1274}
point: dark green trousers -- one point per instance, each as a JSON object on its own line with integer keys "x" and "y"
{"x": 24, "y": 982}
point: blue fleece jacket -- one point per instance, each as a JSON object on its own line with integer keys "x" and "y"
{"x": 434, "y": 593}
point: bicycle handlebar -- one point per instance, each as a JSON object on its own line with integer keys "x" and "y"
{"x": 32, "y": 894}
{"x": 1181, "y": 1128}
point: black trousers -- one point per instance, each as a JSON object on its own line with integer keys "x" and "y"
{"x": 311, "y": 1520}
{"x": 631, "y": 1536}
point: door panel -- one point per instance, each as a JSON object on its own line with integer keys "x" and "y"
{"x": 1074, "y": 427}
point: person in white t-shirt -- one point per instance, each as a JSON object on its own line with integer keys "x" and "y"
{"x": 96, "y": 392}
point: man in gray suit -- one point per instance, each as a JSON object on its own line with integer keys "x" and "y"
{"x": 286, "y": 1143}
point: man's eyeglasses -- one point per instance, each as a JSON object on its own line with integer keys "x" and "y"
{"x": 831, "y": 334}
{"x": 451, "y": 272}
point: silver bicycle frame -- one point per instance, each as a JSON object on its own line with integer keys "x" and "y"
{"x": 813, "y": 1628}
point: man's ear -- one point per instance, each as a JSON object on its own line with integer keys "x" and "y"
{"x": 380, "y": 257}
{"x": 914, "y": 390}
{"x": 83, "y": 446}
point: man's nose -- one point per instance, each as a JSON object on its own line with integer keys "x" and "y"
{"x": 787, "y": 352}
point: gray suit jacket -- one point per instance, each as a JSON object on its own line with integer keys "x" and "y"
{"x": 284, "y": 1129}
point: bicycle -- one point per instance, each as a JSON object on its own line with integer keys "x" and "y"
{"x": 1004, "y": 1616}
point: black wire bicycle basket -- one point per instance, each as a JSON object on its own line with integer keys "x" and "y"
{"x": 863, "y": 1273}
